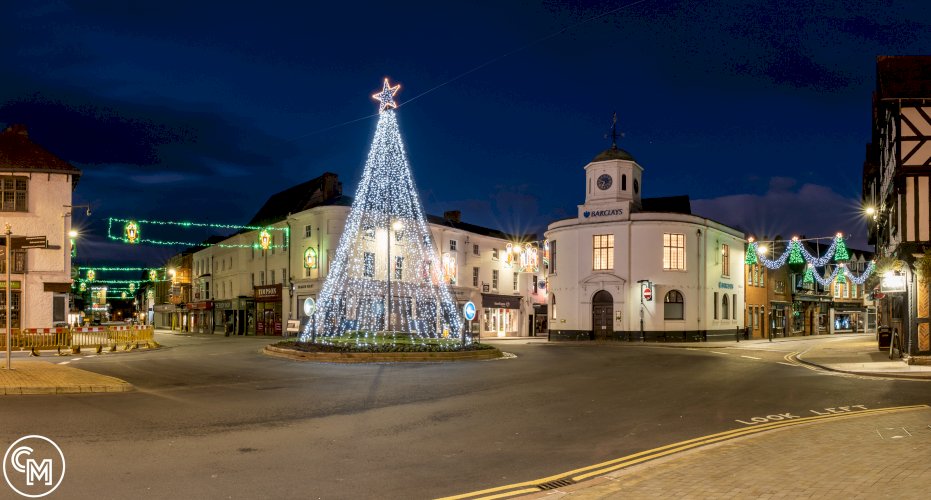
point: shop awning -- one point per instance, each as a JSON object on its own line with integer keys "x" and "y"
{"x": 501, "y": 301}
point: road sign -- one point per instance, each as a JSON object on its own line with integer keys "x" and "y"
{"x": 647, "y": 293}
{"x": 469, "y": 311}
{"x": 26, "y": 242}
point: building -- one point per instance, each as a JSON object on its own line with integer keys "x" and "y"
{"x": 897, "y": 192}
{"x": 36, "y": 195}
{"x": 628, "y": 267}
{"x": 256, "y": 291}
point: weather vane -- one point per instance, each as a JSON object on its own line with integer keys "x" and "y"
{"x": 386, "y": 96}
{"x": 614, "y": 135}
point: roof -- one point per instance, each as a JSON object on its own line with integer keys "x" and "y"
{"x": 668, "y": 204}
{"x": 613, "y": 153}
{"x": 19, "y": 154}
{"x": 903, "y": 77}
{"x": 323, "y": 190}
{"x": 484, "y": 231}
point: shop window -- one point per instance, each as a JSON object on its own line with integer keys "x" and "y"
{"x": 16, "y": 297}
{"x": 673, "y": 250}
{"x": 19, "y": 261}
{"x": 725, "y": 307}
{"x": 602, "y": 252}
{"x": 13, "y": 192}
{"x": 516, "y": 276}
{"x": 494, "y": 279}
{"x": 673, "y": 306}
{"x": 475, "y": 249}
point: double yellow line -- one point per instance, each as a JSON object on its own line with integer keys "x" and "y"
{"x": 590, "y": 471}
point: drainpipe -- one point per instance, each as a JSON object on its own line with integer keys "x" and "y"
{"x": 701, "y": 265}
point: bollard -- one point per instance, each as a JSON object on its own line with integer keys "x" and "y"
{"x": 99, "y": 348}
{"x": 737, "y": 334}
{"x": 33, "y": 351}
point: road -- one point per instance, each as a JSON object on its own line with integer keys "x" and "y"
{"x": 212, "y": 417}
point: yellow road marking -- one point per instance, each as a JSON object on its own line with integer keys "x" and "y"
{"x": 643, "y": 456}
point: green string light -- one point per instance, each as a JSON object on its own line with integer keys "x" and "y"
{"x": 121, "y": 235}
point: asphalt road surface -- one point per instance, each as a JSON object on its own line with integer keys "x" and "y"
{"x": 212, "y": 417}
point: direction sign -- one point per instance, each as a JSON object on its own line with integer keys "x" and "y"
{"x": 26, "y": 242}
{"x": 469, "y": 311}
{"x": 647, "y": 293}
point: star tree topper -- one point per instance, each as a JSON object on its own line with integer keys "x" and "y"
{"x": 386, "y": 96}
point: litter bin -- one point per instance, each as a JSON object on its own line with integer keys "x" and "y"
{"x": 884, "y": 337}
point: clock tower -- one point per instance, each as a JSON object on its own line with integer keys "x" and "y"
{"x": 612, "y": 187}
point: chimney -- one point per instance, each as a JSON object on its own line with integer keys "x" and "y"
{"x": 453, "y": 216}
{"x": 18, "y": 129}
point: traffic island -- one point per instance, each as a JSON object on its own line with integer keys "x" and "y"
{"x": 40, "y": 377}
{"x": 351, "y": 353}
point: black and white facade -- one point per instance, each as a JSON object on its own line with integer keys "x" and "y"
{"x": 629, "y": 267}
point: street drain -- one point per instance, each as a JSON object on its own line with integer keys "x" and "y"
{"x": 552, "y": 485}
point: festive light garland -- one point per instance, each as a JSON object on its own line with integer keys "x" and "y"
{"x": 386, "y": 218}
{"x": 137, "y": 224}
{"x": 796, "y": 253}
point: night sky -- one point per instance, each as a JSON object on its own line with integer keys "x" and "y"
{"x": 759, "y": 111}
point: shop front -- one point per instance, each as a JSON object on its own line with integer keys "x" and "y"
{"x": 201, "y": 316}
{"x": 268, "y": 310}
{"x": 500, "y": 315}
{"x": 164, "y": 313}
{"x": 234, "y": 316}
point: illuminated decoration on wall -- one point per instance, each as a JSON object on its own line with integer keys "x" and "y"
{"x": 91, "y": 275}
{"x": 131, "y": 230}
{"x": 837, "y": 251}
{"x": 265, "y": 239}
{"x": 123, "y": 295}
{"x": 310, "y": 258}
{"x": 157, "y": 226}
{"x": 132, "y": 288}
{"x": 523, "y": 257}
{"x": 355, "y": 297}
{"x": 450, "y": 269}
{"x": 82, "y": 287}
{"x": 153, "y": 275}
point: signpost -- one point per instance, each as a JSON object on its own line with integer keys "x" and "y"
{"x": 468, "y": 310}
{"x": 15, "y": 243}
{"x": 647, "y": 294}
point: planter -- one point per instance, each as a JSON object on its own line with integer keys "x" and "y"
{"x": 381, "y": 357}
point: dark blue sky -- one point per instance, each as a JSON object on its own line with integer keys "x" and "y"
{"x": 759, "y": 111}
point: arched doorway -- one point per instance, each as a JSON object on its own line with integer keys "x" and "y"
{"x": 602, "y": 314}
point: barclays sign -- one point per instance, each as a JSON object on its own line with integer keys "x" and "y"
{"x": 603, "y": 213}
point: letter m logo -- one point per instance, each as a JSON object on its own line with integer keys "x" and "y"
{"x": 37, "y": 471}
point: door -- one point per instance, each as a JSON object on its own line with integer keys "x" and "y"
{"x": 602, "y": 313}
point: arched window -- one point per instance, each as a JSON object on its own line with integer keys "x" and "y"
{"x": 673, "y": 306}
{"x": 623, "y": 182}
{"x": 725, "y": 308}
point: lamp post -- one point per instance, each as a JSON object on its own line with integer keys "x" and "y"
{"x": 9, "y": 294}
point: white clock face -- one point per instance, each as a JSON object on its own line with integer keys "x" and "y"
{"x": 604, "y": 181}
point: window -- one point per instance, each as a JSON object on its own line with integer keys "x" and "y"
{"x": 398, "y": 235}
{"x": 452, "y": 245}
{"x": 715, "y": 305}
{"x": 725, "y": 260}
{"x": 475, "y": 249}
{"x": 762, "y": 274}
{"x": 535, "y": 284}
{"x": 261, "y": 277}
{"x": 474, "y": 276}
{"x": 398, "y": 267}
{"x": 223, "y": 265}
{"x": 636, "y": 186}
{"x": 206, "y": 290}
{"x": 494, "y": 279}
{"x": 368, "y": 266}
{"x": 308, "y": 231}
{"x": 271, "y": 277}
{"x": 494, "y": 254}
{"x": 725, "y": 307}
{"x": 19, "y": 262}
{"x": 602, "y": 252}
{"x": 673, "y": 250}
{"x": 623, "y": 182}
{"x": 673, "y": 306}
{"x": 272, "y": 244}
{"x": 253, "y": 279}
{"x": 16, "y": 297}
{"x": 553, "y": 256}
{"x": 307, "y": 272}
{"x": 284, "y": 275}
{"x": 13, "y": 191}
{"x": 837, "y": 290}
{"x": 516, "y": 276}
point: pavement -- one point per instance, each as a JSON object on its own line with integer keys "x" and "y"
{"x": 30, "y": 376}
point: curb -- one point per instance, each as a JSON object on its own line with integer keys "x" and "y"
{"x": 66, "y": 389}
{"x": 381, "y": 357}
{"x": 903, "y": 376}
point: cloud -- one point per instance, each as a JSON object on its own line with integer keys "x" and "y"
{"x": 811, "y": 210}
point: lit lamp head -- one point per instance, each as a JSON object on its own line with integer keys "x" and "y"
{"x": 72, "y": 234}
{"x": 762, "y": 249}
{"x": 397, "y": 226}
{"x": 870, "y": 211}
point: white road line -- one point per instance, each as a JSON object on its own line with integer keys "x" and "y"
{"x": 724, "y": 353}
{"x": 75, "y": 359}
{"x": 64, "y": 362}
{"x": 749, "y": 357}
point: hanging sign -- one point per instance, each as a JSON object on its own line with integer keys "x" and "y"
{"x": 265, "y": 239}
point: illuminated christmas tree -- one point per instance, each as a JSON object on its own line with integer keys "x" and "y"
{"x": 840, "y": 252}
{"x": 386, "y": 275}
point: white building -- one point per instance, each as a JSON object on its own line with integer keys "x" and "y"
{"x": 251, "y": 291}
{"x": 603, "y": 261}
{"x": 35, "y": 200}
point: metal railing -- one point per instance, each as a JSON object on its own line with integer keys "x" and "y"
{"x": 37, "y": 339}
